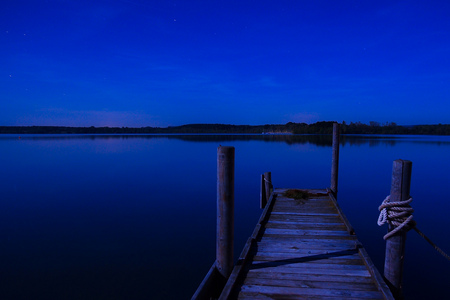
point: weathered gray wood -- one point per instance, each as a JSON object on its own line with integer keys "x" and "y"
{"x": 304, "y": 219}
{"x": 309, "y": 292}
{"x": 310, "y": 277}
{"x": 305, "y": 232}
{"x": 278, "y": 265}
{"x": 304, "y": 226}
{"x": 281, "y": 191}
{"x": 395, "y": 246}
{"x": 268, "y": 260}
{"x": 253, "y": 296}
{"x": 304, "y": 214}
{"x": 335, "y": 160}
{"x": 268, "y": 184}
{"x": 318, "y": 271}
{"x": 304, "y": 206}
{"x": 284, "y": 248}
{"x": 288, "y": 245}
{"x": 288, "y": 223}
{"x": 311, "y": 284}
{"x": 301, "y": 255}
{"x": 297, "y": 254}
{"x": 225, "y": 210}
{"x": 262, "y": 195}
{"x": 305, "y": 255}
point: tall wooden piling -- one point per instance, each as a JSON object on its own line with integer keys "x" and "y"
{"x": 335, "y": 160}
{"x": 395, "y": 246}
{"x": 268, "y": 185}
{"x": 266, "y": 188}
{"x": 225, "y": 210}
{"x": 262, "y": 194}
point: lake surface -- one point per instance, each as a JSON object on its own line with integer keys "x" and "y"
{"x": 133, "y": 216}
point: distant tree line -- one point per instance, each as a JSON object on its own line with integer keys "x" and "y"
{"x": 289, "y": 128}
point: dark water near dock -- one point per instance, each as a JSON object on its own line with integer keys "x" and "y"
{"x": 133, "y": 216}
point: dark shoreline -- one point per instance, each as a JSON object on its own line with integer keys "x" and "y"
{"x": 289, "y": 128}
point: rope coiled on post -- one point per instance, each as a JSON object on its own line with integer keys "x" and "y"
{"x": 399, "y": 215}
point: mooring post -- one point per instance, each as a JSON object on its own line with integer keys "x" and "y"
{"x": 262, "y": 195}
{"x": 395, "y": 245}
{"x": 268, "y": 185}
{"x": 225, "y": 210}
{"x": 335, "y": 160}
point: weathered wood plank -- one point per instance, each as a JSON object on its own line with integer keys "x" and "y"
{"x": 309, "y": 209}
{"x": 311, "y": 284}
{"x": 304, "y": 219}
{"x": 304, "y": 214}
{"x": 309, "y": 277}
{"x": 310, "y": 255}
{"x": 281, "y": 191}
{"x": 287, "y": 237}
{"x": 293, "y": 268}
{"x": 307, "y": 226}
{"x": 298, "y": 232}
{"x": 309, "y": 292}
{"x": 253, "y": 296}
{"x": 303, "y": 222}
{"x": 306, "y": 264}
{"x": 305, "y": 255}
{"x": 337, "y": 261}
{"x": 296, "y": 244}
{"x": 272, "y": 252}
{"x": 301, "y": 204}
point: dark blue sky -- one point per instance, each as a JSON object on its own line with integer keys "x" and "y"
{"x": 159, "y": 63}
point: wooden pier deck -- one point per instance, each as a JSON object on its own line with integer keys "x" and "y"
{"x": 304, "y": 249}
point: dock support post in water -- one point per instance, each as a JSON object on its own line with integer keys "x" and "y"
{"x": 395, "y": 245}
{"x": 266, "y": 188}
{"x": 335, "y": 160}
{"x": 225, "y": 210}
{"x": 217, "y": 276}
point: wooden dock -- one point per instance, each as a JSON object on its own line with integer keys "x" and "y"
{"x": 303, "y": 246}
{"x": 304, "y": 249}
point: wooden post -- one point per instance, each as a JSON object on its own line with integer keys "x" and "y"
{"x": 335, "y": 160}
{"x": 395, "y": 246}
{"x": 266, "y": 189}
{"x": 268, "y": 185}
{"x": 225, "y": 210}
{"x": 262, "y": 195}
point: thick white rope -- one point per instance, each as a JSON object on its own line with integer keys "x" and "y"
{"x": 398, "y": 214}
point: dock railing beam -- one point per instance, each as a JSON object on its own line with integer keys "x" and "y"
{"x": 335, "y": 160}
{"x": 395, "y": 245}
{"x": 225, "y": 210}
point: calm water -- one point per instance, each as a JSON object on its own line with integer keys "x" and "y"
{"x": 133, "y": 217}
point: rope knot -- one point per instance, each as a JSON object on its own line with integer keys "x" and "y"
{"x": 398, "y": 214}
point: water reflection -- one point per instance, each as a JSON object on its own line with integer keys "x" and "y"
{"x": 107, "y": 215}
{"x": 290, "y": 139}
